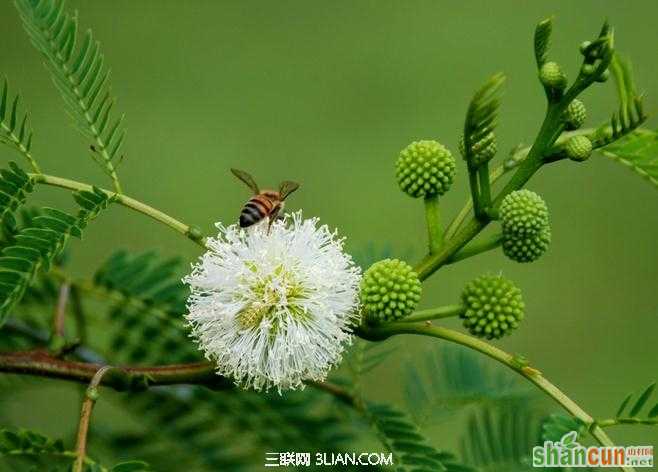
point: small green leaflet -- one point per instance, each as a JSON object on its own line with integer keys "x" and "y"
{"x": 639, "y": 151}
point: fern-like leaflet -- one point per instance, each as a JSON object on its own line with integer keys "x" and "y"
{"x": 14, "y": 187}
{"x": 501, "y": 440}
{"x": 631, "y": 112}
{"x": 79, "y": 74}
{"x": 149, "y": 300}
{"x": 481, "y": 117}
{"x": 195, "y": 420}
{"x": 558, "y": 424}
{"x": 454, "y": 378}
{"x": 35, "y": 247}
{"x": 633, "y": 415}
{"x": 543, "y": 40}
{"x": 14, "y": 129}
{"x": 411, "y": 451}
{"x": 37, "y": 448}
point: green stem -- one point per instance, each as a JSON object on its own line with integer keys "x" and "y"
{"x": 495, "y": 174}
{"x": 477, "y": 247}
{"x": 618, "y": 421}
{"x": 548, "y": 133}
{"x": 435, "y": 313}
{"x": 20, "y": 147}
{"x": 485, "y": 186}
{"x": 475, "y": 191}
{"x": 385, "y": 331}
{"x": 433, "y": 220}
{"x": 189, "y": 232}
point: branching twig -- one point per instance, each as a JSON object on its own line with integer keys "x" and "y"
{"x": 41, "y": 363}
{"x": 391, "y": 329}
{"x": 85, "y": 415}
{"x": 190, "y": 232}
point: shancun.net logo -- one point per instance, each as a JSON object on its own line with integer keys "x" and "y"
{"x": 568, "y": 452}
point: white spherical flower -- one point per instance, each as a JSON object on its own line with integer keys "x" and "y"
{"x": 274, "y": 309}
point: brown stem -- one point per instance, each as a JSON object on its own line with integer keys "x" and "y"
{"x": 85, "y": 415}
{"x": 59, "y": 317}
{"x": 121, "y": 378}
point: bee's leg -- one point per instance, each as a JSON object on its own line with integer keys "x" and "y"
{"x": 273, "y": 217}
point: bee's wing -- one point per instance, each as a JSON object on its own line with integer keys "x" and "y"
{"x": 247, "y": 179}
{"x": 286, "y": 188}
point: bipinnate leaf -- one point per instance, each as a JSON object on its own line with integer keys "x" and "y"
{"x": 543, "y": 40}
{"x": 639, "y": 152}
{"x": 36, "y": 246}
{"x": 79, "y": 73}
{"x": 642, "y": 400}
{"x": 481, "y": 117}
{"x": 15, "y": 129}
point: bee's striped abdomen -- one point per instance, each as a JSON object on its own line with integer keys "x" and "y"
{"x": 257, "y": 208}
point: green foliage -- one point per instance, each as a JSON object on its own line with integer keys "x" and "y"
{"x": 411, "y": 451}
{"x": 25, "y": 442}
{"x": 501, "y": 440}
{"x": 14, "y": 187}
{"x": 36, "y": 247}
{"x": 481, "y": 118}
{"x": 557, "y": 425}
{"x": 148, "y": 302}
{"x": 449, "y": 378}
{"x": 638, "y": 151}
{"x": 543, "y": 40}
{"x": 361, "y": 359}
{"x": 193, "y": 422}
{"x": 631, "y": 113}
{"x": 40, "y": 449}
{"x": 79, "y": 74}
{"x": 15, "y": 130}
{"x": 639, "y": 404}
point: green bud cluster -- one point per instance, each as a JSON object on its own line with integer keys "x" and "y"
{"x": 425, "y": 168}
{"x": 493, "y": 306}
{"x": 592, "y": 54}
{"x": 551, "y": 76}
{"x": 483, "y": 151}
{"x": 575, "y": 115}
{"x": 578, "y": 148}
{"x": 525, "y": 224}
{"x": 527, "y": 248}
{"x": 390, "y": 290}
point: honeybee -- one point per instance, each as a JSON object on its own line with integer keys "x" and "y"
{"x": 264, "y": 203}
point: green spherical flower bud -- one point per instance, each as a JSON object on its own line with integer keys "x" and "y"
{"x": 575, "y": 115}
{"x": 584, "y": 46}
{"x": 604, "y": 76}
{"x": 527, "y": 248}
{"x": 523, "y": 213}
{"x": 425, "y": 168}
{"x": 483, "y": 151}
{"x": 390, "y": 290}
{"x": 588, "y": 69}
{"x": 493, "y": 306}
{"x": 578, "y": 148}
{"x": 551, "y": 76}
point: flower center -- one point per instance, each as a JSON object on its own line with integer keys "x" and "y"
{"x": 278, "y": 292}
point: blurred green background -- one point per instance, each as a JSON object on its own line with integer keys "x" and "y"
{"x": 327, "y": 93}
